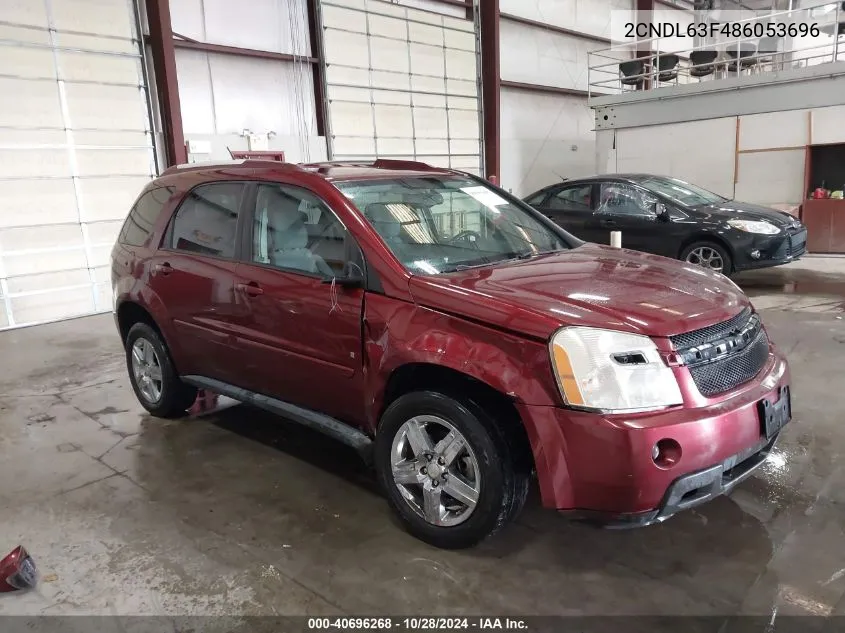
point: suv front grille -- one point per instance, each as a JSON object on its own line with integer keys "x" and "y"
{"x": 726, "y": 355}
{"x": 725, "y": 374}
{"x": 711, "y": 332}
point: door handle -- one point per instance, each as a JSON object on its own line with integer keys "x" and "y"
{"x": 608, "y": 222}
{"x": 252, "y": 289}
{"x": 163, "y": 269}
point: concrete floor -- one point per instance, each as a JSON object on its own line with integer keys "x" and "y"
{"x": 242, "y": 513}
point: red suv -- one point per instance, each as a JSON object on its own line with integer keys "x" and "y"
{"x": 456, "y": 336}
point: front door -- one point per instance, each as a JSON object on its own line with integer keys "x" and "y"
{"x": 572, "y": 208}
{"x": 629, "y": 209}
{"x": 300, "y": 333}
{"x": 193, "y": 273}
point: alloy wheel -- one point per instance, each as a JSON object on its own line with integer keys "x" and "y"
{"x": 706, "y": 257}
{"x": 146, "y": 369}
{"x": 435, "y": 470}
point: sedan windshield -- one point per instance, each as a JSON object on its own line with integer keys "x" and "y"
{"x": 682, "y": 192}
{"x": 440, "y": 224}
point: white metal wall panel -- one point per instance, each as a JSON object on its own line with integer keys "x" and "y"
{"x": 774, "y": 129}
{"x": 280, "y": 26}
{"x": 75, "y": 150}
{"x": 584, "y": 16}
{"x": 701, "y": 152}
{"x": 544, "y": 137}
{"x": 771, "y": 178}
{"x": 827, "y": 125}
{"x": 402, "y": 82}
{"x": 533, "y": 55}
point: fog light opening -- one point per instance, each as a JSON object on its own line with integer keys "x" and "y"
{"x": 755, "y": 254}
{"x": 666, "y": 453}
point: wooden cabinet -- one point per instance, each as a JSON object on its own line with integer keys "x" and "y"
{"x": 825, "y": 221}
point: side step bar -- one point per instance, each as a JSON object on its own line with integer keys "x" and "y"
{"x": 306, "y": 417}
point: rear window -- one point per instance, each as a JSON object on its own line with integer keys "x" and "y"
{"x": 142, "y": 218}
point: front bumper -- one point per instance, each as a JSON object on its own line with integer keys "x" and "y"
{"x": 601, "y": 466}
{"x": 772, "y": 250}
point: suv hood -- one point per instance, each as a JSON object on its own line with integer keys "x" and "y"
{"x": 591, "y": 285}
{"x": 733, "y": 210}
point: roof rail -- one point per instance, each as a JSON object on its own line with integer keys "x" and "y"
{"x": 378, "y": 163}
{"x": 218, "y": 164}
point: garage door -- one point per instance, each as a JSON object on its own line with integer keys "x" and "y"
{"x": 75, "y": 150}
{"x": 401, "y": 83}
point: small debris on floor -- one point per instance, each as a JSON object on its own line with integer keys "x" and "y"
{"x": 50, "y": 578}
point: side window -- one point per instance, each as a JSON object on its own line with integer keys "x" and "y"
{"x": 578, "y": 198}
{"x": 143, "y": 216}
{"x": 295, "y": 230}
{"x": 623, "y": 199}
{"x": 207, "y": 220}
{"x": 537, "y": 198}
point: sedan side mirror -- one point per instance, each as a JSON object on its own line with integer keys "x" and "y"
{"x": 661, "y": 212}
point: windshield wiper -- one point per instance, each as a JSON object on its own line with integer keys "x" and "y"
{"x": 531, "y": 254}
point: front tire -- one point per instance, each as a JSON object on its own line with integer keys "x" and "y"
{"x": 709, "y": 255}
{"x": 447, "y": 469}
{"x": 153, "y": 376}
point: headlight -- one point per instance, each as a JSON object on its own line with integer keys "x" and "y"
{"x": 611, "y": 371}
{"x": 750, "y": 226}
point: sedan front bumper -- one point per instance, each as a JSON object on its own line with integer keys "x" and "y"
{"x": 762, "y": 251}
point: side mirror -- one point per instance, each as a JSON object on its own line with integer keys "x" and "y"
{"x": 353, "y": 277}
{"x": 661, "y": 212}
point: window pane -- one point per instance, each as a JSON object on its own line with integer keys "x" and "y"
{"x": 573, "y": 198}
{"x": 536, "y": 199}
{"x": 143, "y": 216}
{"x": 294, "y": 230}
{"x": 207, "y": 220}
{"x": 440, "y": 224}
{"x": 621, "y": 199}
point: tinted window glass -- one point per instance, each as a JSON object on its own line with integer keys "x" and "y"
{"x": 207, "y": 220}
{"x": 294, "y": 230}
{"x": 439, "y": 224}
{"x": 537, "y": 198}
{"x": 143, "y": 216}
{"x": 572, "y": 198}
{"x": 621, "y": 199}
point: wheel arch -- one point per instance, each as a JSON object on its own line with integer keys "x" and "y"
{"x": 423, "y": 376}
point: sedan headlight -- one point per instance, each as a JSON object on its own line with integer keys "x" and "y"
{"x": 611, "y": 371}
{"x": 752, "y": 226}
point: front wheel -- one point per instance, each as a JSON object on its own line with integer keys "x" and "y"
{"x": 709, "y": 255}
{"x": 447, "y": 469}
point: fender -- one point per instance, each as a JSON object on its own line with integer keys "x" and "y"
{"x": 398, "y": 333}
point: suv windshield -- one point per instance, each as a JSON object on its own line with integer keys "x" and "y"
{"x": 682, "y": 192}
{"x": 439, "y": 224}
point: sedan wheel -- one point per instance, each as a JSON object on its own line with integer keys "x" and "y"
{"x": 146, "y": 369}
{"x": 435, "y": 470}
{"x": 706, "y": 257}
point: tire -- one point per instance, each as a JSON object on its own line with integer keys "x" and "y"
{"x": 173, "y": 396}
{"x": 488, "y": 467}
{"x": 692, "y": 254}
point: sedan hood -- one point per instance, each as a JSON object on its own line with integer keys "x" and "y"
{"x": 733, "y": 210}
{"x": 592, "y": 285}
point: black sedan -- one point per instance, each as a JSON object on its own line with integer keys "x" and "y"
{"x": 673, "y": 218}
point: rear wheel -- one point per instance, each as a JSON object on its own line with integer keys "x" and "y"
{"x": 709, "y": 255}
{"x": 447, "y": 470}
{"x": 153, "y": 377}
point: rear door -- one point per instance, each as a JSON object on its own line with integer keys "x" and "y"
{"x": 571, "y": 206}
{"x": 624, "y": 207}
{"x": 300, "y": 333}
{"x": 193, "y": 273}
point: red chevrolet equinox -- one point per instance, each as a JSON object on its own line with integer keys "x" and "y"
{"x": 456, "y": 337}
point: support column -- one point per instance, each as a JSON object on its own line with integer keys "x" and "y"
{"x": 167, "y": 87}
{"x": 488, "y": 13}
